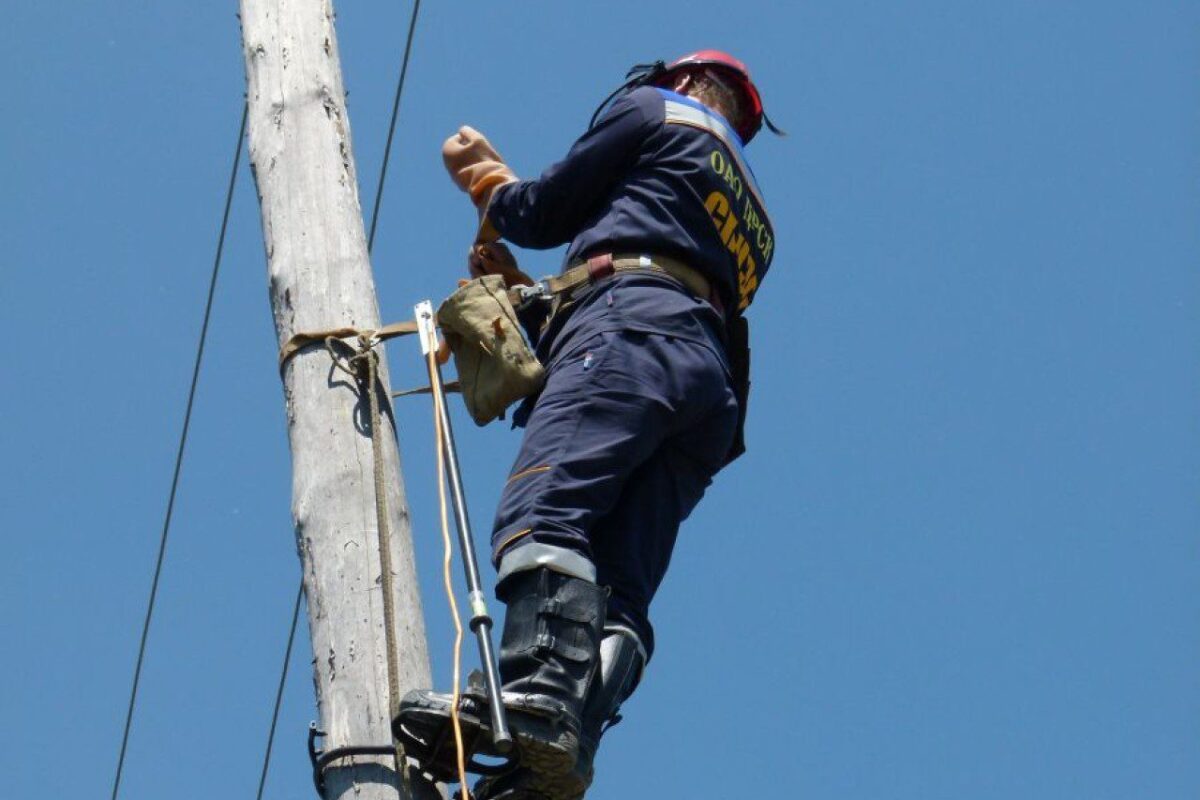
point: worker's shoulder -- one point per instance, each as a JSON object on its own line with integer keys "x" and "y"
{"x": 646, "y": 95}
{"x": 646, "y": 101}
{"x": 686, "y": 116}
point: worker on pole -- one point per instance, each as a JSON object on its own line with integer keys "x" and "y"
{"x": 647, "y": 366}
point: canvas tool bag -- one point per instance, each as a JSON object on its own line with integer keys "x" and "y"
{"x": 495, "y": 365}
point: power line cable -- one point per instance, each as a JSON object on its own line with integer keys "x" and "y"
{"x": 387, "y": 152}
{"x": 187, "y": 420}
{"x": 287, "y": 657}
{"x": 387, "y": 149}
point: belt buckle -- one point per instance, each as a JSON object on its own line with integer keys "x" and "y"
{"x": 528, "y": 295}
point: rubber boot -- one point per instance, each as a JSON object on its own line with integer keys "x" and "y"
{"x": 548, "y": 654}
{"x": 620, "y": 671}
{"x": 621, "y": 664}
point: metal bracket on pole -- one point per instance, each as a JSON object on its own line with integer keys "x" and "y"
{"x": 321, "y": 759}
{"x": 423, "y": 312}
{"x": 481, "y": 621}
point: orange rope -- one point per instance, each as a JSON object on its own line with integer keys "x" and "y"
{"x": 439, "y": 426}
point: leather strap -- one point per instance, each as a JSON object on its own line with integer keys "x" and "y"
{"x": 598, "y": 267}
{"x": 302, "y": 340}
{"x": 585, "y": 273}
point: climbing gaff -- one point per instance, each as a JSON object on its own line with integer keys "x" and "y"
{"x": 481, "y": 621}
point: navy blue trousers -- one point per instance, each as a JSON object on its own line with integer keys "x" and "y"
{"x": 635, "y": 419}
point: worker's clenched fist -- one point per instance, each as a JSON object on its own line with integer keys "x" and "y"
{"x": 474, "y": 165}
{"x": 496, "y": 259}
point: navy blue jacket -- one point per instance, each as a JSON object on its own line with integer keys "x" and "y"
{"x": 659, "y": 174}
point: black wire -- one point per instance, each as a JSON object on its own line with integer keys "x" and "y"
{"x": 187, "y": 420}
{"x": 387, "y": 150}
{"x": 287, "y": 657}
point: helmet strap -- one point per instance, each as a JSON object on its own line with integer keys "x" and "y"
{"x": 771, "y": 126}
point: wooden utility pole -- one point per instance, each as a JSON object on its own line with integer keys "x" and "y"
{"x": 320, "y": 279}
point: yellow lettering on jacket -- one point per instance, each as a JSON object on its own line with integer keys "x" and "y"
{"x": 762, "y": 235}
{"x": 718, "y": 206}
{"x": 726, "y": 222}
{"x": 722, "y": 167}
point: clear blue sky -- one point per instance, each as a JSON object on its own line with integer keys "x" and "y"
{"x": 960, "y": 559}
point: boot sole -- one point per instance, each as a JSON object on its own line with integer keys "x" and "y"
{"x": 531, "y": 786}
{"x": 544, "y": 745}
{"x": 570, "y": 786}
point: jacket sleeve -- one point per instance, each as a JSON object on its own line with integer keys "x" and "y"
{"x": 551, "y": 210}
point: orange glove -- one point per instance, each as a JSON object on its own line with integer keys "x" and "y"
{"x": 477, "y": 169}
{"x": 496, "y": 259}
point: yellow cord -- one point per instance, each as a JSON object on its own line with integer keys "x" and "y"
{"x": 438, "y": 426}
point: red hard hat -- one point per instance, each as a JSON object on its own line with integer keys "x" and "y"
{"x": 729, "y": 67}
